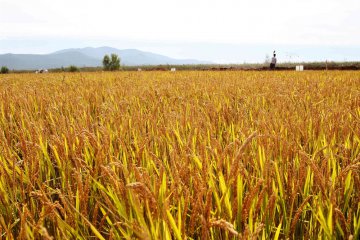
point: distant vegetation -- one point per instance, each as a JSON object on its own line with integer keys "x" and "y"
{"x": 224, "y": 67}
{"x": 111, "y": 63}
{"x": 73, "y": 68}
{"x": 4, "y": 70}
{"x": 244, "y": 66}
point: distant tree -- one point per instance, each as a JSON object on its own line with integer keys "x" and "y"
{"x": 115, "y": 62}
{"x": 4, "y": 70}
{"x": 111, "y": 63}
{"x": 106, "y": 62}
{"x": 73, "y": 68}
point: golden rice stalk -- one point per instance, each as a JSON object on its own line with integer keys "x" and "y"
{"x": 142, "y": 190}
{"x": 298, "y": 213}
{"x": 342, "y": 221}
{"x": 221, "y": 223}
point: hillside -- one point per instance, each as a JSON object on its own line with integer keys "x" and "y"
{"x": 87, "y": 57}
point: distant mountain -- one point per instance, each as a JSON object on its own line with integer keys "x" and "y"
{"x": 37, "y": 61}
{"x": 87, "y": 57}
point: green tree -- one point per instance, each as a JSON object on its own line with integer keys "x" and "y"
{"x": 106, "y": 62}
{"x": 4, "y": 70}
{"x": 111, "y": 63}
{"x": 115, "y": 62}
{"x": 73, "y": 68}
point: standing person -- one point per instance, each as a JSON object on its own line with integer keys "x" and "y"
{"x": 273, "y": 62}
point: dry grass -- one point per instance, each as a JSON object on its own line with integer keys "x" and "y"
{"x": 160, "y": 155}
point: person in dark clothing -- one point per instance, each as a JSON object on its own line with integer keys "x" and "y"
{"x": 273, "y": 62}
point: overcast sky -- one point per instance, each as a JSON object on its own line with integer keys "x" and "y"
{"x": 41, "y": 26}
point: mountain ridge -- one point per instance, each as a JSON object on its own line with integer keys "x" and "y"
{"x": 88, "y": 57}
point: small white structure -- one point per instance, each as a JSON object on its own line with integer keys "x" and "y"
{"x": 173, "y": 69}
{"x": 42, "y": 71}
{"x": 139, "y": 69}
{"x": 299, "y": 68}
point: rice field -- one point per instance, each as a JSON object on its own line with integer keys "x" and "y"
{"x": 184, "y": 155}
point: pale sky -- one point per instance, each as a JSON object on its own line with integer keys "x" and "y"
{"x": 41, "y": 26}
